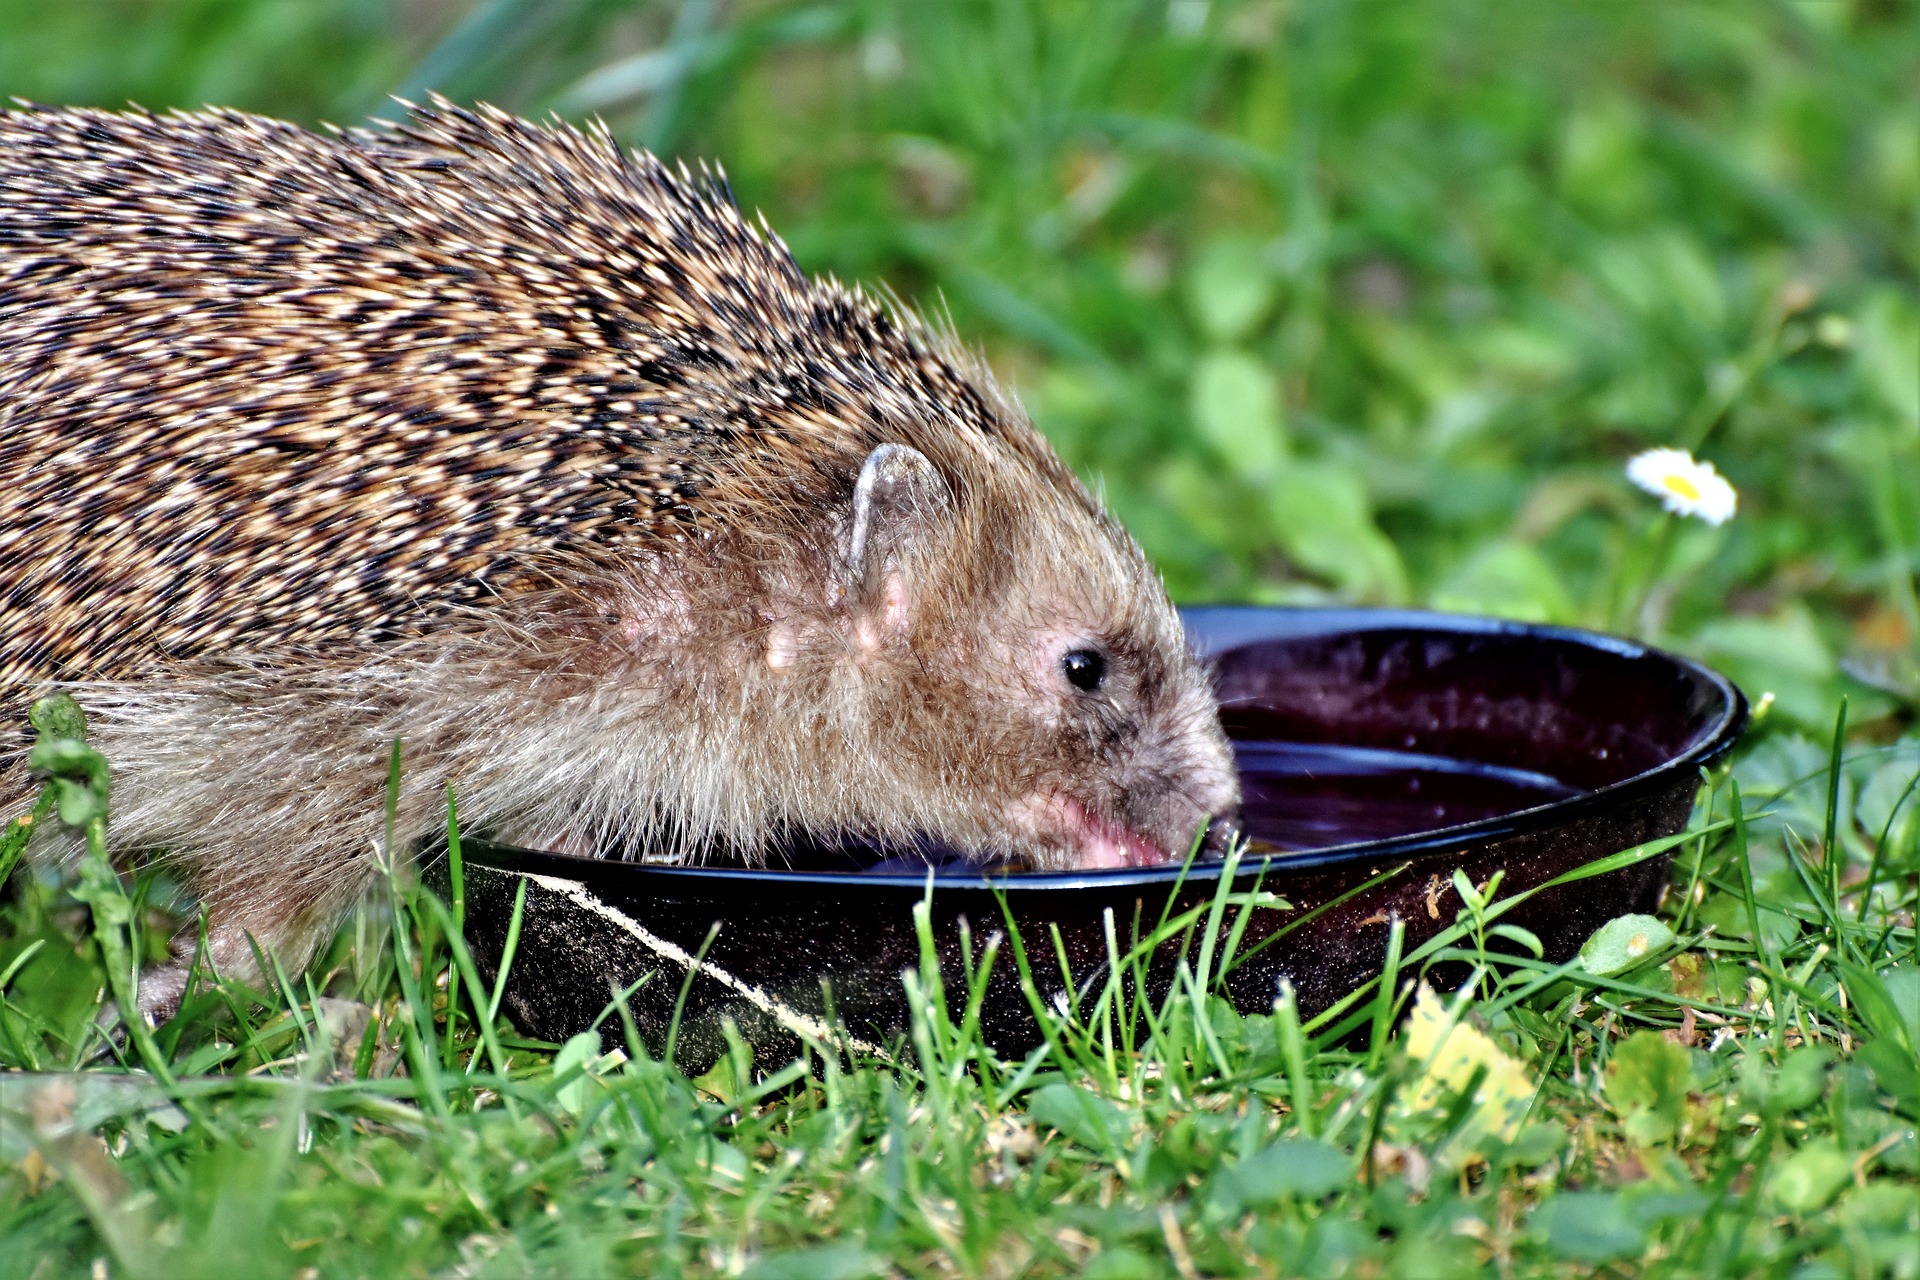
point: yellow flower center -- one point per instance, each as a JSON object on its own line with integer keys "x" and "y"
{"x": 1682, "y": 486}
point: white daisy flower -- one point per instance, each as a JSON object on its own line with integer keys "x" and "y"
{"x": 1686, "y": 485}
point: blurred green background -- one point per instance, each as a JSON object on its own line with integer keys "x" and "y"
{"x": 1337, "y": 299}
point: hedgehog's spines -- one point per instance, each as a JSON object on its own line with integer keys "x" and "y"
{"x": 636, "y": 365}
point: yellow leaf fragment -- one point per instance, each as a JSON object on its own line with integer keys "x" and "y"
{"x": 1452, "y": 1053}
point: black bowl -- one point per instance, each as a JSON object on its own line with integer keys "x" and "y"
{"x": 1450, "y": 742}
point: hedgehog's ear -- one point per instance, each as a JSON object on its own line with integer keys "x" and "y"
{"x": 899, "y": 505}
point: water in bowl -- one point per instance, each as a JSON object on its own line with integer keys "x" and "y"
{"x": 1296, "y": 796}
{"x": 1313, "y": 795}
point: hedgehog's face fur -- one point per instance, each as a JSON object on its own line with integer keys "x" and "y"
{"x": 985, "y": 663}
{"x": 1074, "y": 727}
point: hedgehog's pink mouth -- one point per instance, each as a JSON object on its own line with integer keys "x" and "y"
{"x": 1096, "y": 843}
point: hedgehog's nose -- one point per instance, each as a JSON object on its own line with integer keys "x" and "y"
{"x": 1223, "y": 833}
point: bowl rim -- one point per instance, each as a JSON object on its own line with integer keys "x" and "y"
{"x": 1710, "y": 744}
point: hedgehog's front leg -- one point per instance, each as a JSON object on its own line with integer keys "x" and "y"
{"x": 253, "y": 914}
{"x": 267, "y": 893}
{"x": 264, "y": 790}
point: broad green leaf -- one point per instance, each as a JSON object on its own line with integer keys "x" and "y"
{"x": 69, "y": 757}
{"x": 1191, "y": 485}
{"x": 1122, "y": 1263}
{"x": 582, "y": 1054}
{"x": 1889, "y": 801}
{"x": 1800, "y": 1080}
{"x": 1647, "y": 1081}
{"x": 1229, "y": 287}
{"x": 1647, "y": 1203}
{"x": 1885, "y": 339}
{"x": 1896, "y": 1072}
{"x": 1589, "y": 1226}
{"x": 1305, "y": 1168}
{"x": 1809, "y": 1178}
{"x": 1784, "y": 781}
{"x": 1086, "y": 1118}
{"x": 721, "y": 1081}
{"x": 1602, "y": 170}
{"x": 1664, "y": 276}
{"x": 1071, "y": 407}
{"x": 1506, "y": 579}
{"x": 1621, "y": 943}
{"x": 1783, "y": 655}
{"x": 1534, "y": 1145}
{"x": 76, "y": 803}
{"x": 1883, "y": 1206}
{"x": 1902, "y": 985}
{"x": 1320, "y": 511}
{"x": 1793, "y": 1084}
{"x": 1236, "y": 410}
{"x": 827, "y": 1262}
{"x": 1889, "y": 1001}
{"x": 1728, "y": 914}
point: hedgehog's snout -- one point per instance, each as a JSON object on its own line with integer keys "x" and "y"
{"x": 1200, "y": 803}
{"x": 1138, "y": 768}
{"x": 1225, "y": 831}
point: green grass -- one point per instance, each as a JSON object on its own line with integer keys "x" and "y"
{"x": 1729, "y": 1089}
{"x": 1338, "y": 299}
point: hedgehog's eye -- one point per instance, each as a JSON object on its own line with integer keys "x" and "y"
{"x": 1084, "y": 669}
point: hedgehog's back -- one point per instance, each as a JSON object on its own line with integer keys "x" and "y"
{"x": 262, "y": 385}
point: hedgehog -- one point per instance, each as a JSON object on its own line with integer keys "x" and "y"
{"x": 535, "y": 455}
